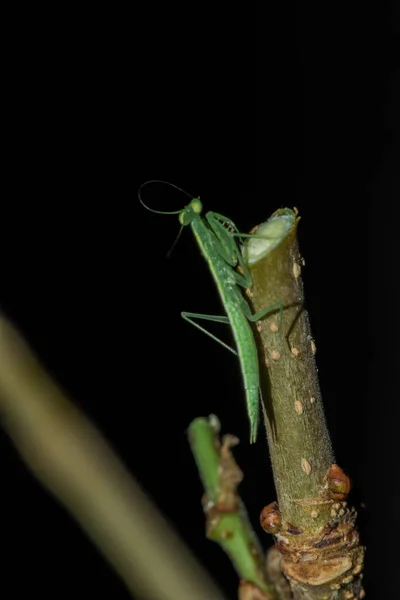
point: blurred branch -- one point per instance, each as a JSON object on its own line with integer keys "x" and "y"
{"x": 72, "y": 460}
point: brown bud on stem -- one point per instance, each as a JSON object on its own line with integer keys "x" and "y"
{"x": 270, "y": 518}
{"x": 338, "y": 483}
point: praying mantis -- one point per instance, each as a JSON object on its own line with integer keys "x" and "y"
{"x": 216, "y": 237}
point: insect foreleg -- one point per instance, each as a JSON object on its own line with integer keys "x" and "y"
{"x": 217, "y": 319}
{"x": 244, "y": 280}
{"x": 223, "y": 241}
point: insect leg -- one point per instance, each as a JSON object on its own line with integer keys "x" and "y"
{"x": 263, "y": 312}
{"x": 190, "y": 316}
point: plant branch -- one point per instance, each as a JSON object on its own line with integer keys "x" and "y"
{"x": 73, "y": 461}
{"x": 313, "y": 527}
{"x": 227, "y": 520}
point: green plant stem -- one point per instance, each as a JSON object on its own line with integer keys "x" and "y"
{"x": 227, "y": 520}
{"x": 319, "y": 544}
{"x": 298, "y": 438}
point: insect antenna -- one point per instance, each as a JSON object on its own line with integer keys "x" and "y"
{"x": 161, "y": 212}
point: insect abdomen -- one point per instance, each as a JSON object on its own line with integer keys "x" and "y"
{"x": 248, "y": 358}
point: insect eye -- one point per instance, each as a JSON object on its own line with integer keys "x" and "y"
{"x": 196, "y": 205}
{"x": 186, "y": 216}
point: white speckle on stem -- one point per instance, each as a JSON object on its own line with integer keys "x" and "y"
{"x": 305, "y": 465}
{"x": 298, "y": 407}
{"x": 296, "y": 270}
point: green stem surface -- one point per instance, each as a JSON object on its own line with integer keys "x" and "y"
{"x": 227, "y": 520}
{"x": 317, "y": 539}
{"x": 298, "y": 438}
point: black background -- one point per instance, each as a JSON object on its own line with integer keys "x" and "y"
{"x": 252, "y": 110}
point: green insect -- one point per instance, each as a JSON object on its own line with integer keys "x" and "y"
{"x": 216, "y": 236}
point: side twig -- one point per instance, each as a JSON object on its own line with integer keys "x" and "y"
{"x": 227, "y": 520}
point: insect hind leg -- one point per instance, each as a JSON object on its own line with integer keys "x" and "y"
{"x": 188, "y": 316}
